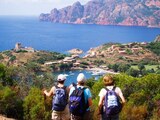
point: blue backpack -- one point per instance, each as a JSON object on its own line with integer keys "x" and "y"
{"x": 77, "y": 103}
{"x": 59, "y": 99}
{"x": 112, "y": 104}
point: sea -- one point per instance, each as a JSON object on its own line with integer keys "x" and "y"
{"x": 58, "y": 37}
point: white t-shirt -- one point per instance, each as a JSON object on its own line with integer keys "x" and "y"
{"x": 103, "y": 91}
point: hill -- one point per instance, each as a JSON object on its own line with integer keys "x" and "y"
{"x": 110, "y": 53}
{"x": 132, "y": 53}
{"x": 108, "y": 12}
{"x": 35, "y": 59}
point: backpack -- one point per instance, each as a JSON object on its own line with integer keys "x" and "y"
{"x": 59, "y": 99}
{"x": 112, "y": 104}
{"x": 77, "y": 103}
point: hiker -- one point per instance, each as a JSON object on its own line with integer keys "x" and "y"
{"x": 60, "y": 99}
{"x": 109, "y": 105}
{"x": 80, "y": 108}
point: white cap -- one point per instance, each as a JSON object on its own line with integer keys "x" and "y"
{"x": 61, "y": 77}
{"x": 81, "y": 78}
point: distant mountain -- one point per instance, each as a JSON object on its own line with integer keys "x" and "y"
{"x": 108, "y": 12}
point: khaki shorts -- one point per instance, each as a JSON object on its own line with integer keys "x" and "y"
{"x": 61, "y": 115}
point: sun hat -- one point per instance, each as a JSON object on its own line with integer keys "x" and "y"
{"x": 61, "y": 77}
{"x": 81, "y": 78}
{"x": 108, "y": 80}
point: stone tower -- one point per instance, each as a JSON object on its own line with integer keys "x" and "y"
{"x": 18, "y": 46}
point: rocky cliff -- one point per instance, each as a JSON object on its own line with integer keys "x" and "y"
{"x": 108, "y": 12}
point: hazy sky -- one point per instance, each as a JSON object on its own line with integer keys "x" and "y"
{"x": 33, "y": 7}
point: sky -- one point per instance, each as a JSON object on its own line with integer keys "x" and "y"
{"x": 33, "y": 7}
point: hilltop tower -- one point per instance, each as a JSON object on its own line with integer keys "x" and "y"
{"x": 18, "y": 46}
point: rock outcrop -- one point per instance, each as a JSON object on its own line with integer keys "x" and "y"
{"x": 108, "y": 12}
{"x": 157, "y": 39}
{"x": 75, "y": 51}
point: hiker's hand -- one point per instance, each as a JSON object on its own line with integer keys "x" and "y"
{"x": 44, "y": 92}
{"x": 99, "y": 112}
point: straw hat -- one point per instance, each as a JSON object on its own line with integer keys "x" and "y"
{"x": 108, "y": 80}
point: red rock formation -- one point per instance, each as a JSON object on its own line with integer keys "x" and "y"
{"x": 109, "y": 12}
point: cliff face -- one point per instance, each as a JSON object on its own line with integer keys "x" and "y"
{"x": 109, "y": 12}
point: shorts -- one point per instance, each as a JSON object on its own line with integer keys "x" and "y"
{"x": 86, "y": 116}
{"x": 61, "y": 115}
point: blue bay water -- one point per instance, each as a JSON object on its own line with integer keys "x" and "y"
{"x": 62, "y": 37}
{"x": 72, "y": 76}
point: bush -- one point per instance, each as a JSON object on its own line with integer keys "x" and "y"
{"x": 34, "y": 106}
{"x": 11, "y": 105}
{"x": 1, "y": 57}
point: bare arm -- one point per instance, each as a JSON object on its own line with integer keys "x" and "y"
{"x": 90, "y": 101}
{"x": 121, "y": 96}
{"x": 50, "y": 92}
{"x": 100, "y": 104}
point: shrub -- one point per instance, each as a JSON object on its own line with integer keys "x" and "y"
{"x": 34, "y": 105}
{"x": 11, "y": 105}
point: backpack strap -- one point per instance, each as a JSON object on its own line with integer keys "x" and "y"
{"x": 114, "y": 87}
{"x": 64, "y": 87}
{"x": 79, "y": 87}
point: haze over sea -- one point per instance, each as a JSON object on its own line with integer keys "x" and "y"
{"x": 62, "y": 37}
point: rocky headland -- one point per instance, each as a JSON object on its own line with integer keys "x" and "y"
{"x": 108, "y": 12}
{"x": 75, "y": 51}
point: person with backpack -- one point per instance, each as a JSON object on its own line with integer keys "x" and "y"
{"x": 80, "y": 100}
{"x": 60, "y": 110}
{"x": 111, "y": 100}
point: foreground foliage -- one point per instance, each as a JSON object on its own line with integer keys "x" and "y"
{"x": 142, "y": 95}
{"x": 21, "y": 95}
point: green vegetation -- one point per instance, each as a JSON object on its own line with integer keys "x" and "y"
{"x": 1, "y": 57}
{"x": 8, "y": 53}
{"x": 134, "y": 70}
{"x": 21, "y": 86}
{"x": 128, "y": 51}
{"x": 147, "y": 67}
{"x": 21, "y": 51}
{"x": 12, "y": 58}
{"x": 21, "y": 95}
{"x": 154, "y": 47}
{"x": 50, "y": 56}
{"x": 34, "y": 106}
{"x": 142, "y": 95}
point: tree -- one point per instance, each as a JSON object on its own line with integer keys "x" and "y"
{"x": 34, "y": 106}
{"x": 11, "y": 104}
{"x": 6, "y": 75}
{"x": 141, "y": 66}
{"x": 133, "y": 72}
{"x": 2, "y": 74}
{"x": 115, "y": 67}
{"x": 123, "y": 67}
